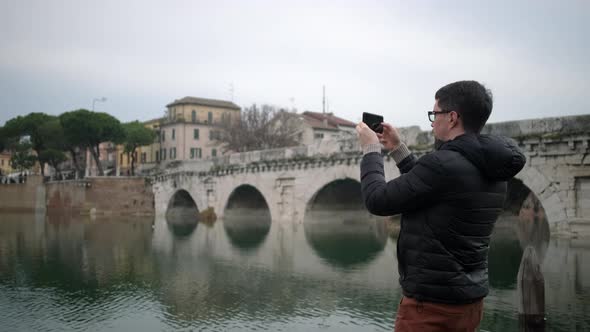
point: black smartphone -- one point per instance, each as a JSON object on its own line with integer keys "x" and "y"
{"x": 373, "y": 121}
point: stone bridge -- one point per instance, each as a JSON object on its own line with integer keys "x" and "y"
{"x": 289, "y": 182}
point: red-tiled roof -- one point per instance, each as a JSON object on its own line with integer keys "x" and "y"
{"x": 326, "y": 120}
{"x": 204, "y": 102}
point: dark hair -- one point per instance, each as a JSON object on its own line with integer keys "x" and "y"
{"x": 468, "y": 98}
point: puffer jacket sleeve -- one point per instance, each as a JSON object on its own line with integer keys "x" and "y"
{"x": 407, "y": 164}
{"x": 404, "y": 193}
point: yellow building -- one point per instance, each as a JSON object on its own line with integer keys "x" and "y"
{"x": 191, "y": 124}
{"x": 150, "y": 153}
{"x": 5, "y": 162}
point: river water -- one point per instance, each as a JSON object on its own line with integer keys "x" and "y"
{"x": 331, "y": 273}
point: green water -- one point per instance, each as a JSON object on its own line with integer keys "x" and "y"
{"x": 328, "y": 274}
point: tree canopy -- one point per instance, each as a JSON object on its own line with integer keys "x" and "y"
{"x": 136, "y": 135}
{"x": 53, "y": 135}
{"x": 89, "y": 129}
{"x": 21, "y": 158}
{"x": 53, "y": 157}
{"x": 30, "y": 125}
{"x": 2, "y": 140}
{"x": 264, "y": 127}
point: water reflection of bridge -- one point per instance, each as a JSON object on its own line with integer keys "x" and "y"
{"x": 96, "y": 268}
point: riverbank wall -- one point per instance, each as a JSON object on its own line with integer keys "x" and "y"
{"x": 23, "y": 197}
{"x": 101, "y": 196}
{"x": 90, "y": 196}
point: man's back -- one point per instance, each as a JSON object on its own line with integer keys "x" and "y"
{"x": 449, "y": 200}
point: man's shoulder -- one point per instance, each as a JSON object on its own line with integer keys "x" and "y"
{"x": 440, "y": 156}
{"x": 445, "y": 155}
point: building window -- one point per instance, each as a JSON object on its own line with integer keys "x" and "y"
{"x": 163, "y": 154}
{"x": 318, "y": 135}
{"x": 173, "y": 134}
{"x": 121, "y": 159}
{"x": 172, "y": 153}
{"x": 157, "y": 155}
{"x": 213, "y": 152}
{"x": 163, "y": 136}
{"x": 214, "y": 135}
{"x": 195, "y": 153}
{"x": 210, "y": 118}
{"x": 194, "y": 116}
{"x": 196, "y": 134}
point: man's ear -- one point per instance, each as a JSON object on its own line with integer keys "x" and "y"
{"x": 454, "y": 117}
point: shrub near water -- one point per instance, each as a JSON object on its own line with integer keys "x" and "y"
{"x": 208, "y": 216}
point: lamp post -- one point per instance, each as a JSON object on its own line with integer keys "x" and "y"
{"x": 102, "y": 99}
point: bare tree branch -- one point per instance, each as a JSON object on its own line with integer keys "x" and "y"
{"x": 264, "y": 127}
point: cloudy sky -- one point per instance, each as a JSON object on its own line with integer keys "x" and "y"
{"x": 384, "y": 57}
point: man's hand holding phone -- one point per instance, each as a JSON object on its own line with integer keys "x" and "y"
{"x": 390, "y": 137}
{"x": 386, "y": 133}
{"x": 374, "y": 121}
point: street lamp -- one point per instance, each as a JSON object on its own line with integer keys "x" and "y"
{"x": 102, "y": 99}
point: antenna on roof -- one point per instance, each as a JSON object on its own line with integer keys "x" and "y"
{"x": 231, "y": 92}
{"x": 324, "y": 100}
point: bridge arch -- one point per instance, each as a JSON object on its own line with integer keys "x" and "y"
{"x": 181, "y": 198}
{"x": 316, "y": 183}
{"x": 545, "y": 189}
{"x": 337, "y": 194}
{"x": 246, "y": 217}
{"x": 182, "y": 213}
{"x": 245, "y": 196}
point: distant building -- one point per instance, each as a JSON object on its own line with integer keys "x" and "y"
{"x": 108, "y": 160}
{"x": 5, "y": 162}
{"x": 320, "y": 126}
{"x": 189, "y": 129}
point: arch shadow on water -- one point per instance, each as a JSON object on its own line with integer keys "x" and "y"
{"x": 247, "y": 218}
{"x": 522, "y": 224}
{"x": 182, "y": 214}
{"x": 338, "y": 227}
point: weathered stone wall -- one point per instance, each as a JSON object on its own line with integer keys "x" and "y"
{"x": 102, "y": 196}
{"x": 558, "y": 167}
{"x": 23, "y": 197}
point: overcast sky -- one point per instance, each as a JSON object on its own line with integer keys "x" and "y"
{"x": 384, "y": 57}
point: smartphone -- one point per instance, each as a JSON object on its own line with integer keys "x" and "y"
{"x": 373, "y": 121}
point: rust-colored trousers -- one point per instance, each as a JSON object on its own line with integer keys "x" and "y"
{"x": 414, "y": 316}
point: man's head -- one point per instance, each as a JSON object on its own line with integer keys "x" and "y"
{"x": 463, "y": 106}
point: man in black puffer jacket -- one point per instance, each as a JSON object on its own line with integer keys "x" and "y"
{"x": 449, "y": 200}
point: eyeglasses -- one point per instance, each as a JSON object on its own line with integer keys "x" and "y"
{"x": 432, "y": 115}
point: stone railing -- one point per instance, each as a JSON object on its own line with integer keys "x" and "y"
{"x": 549, "y": 136}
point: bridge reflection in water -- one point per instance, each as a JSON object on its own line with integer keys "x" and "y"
{"x": 116, "y": 273}
{"x": 335, "y": 271}
{"x": 338, "y": 227}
